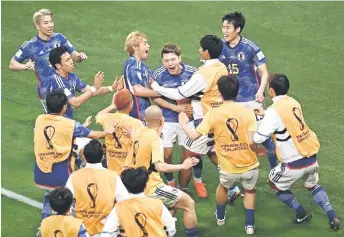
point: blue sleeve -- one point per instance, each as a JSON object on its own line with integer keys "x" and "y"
{"x": 80, "y": 130}
{"x": 83, "y": 232}
{"x": 258, "y": 56}
{"x": 80, "y": 85}
{"x": 23, "y": 52}
{"x": 65, "y": 42}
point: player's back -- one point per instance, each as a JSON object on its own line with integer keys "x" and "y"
{"x": 231, "y": 123}
{"x": 137, "y": 73}
{"x": 146, "y": 145}
{"x": 119, "y": 143}
{"x": 242, "y": 61}
{"x": 165, "y": 79}
{"x": 60, "y": 225}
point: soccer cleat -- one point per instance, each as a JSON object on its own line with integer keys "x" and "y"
{"x": 301, "y": 218}
{"x": 200, "y": 189}
{"x": 220, "y": 222}
{"x": 233, "y": 194}
{"x": 335, "y": 224}
{"x": 249, "y": 229}
{"x": 172, "y": 183}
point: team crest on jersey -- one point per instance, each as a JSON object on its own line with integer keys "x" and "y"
{"x": 241, "y": 56}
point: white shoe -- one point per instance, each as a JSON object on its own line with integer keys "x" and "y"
{"x": 249, "y": 229}
{"x": 220, "y": 222}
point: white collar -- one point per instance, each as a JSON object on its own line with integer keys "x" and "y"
{"x": 211, "y": 61}
{"x": 131, "y": 195}
{"x": 94, "y": 166}
{"x": 276, "y": 98}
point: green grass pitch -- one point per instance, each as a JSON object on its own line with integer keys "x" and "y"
{"x": 303, "y": 40}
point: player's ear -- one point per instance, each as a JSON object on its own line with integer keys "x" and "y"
{"x": 180, "y": 58}
{"x": 238, "y": 29}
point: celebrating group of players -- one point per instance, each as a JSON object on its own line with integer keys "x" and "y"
{"x": 214, "y": 110}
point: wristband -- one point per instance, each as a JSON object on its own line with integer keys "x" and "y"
{"x": 93, "y": 89}
{"x": 110, "y": 88}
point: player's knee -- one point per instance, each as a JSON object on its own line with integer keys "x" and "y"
{"x": 250, "y": 191}
{"x": 187, "y": 203}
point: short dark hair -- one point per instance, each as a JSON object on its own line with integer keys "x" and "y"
{"x": 135, "y": 179}
{"x": 55, "y": 55}
{"x": 228, "y": 86}
{"x": 171, "y": 48}
{"x": 61, "y": 199}
{"x": 280, "y": 83}
{"x": 236, "y": 18}
{"x": 213, "y": 44}
{"x": 93, "y": 151}
{"x": 55, "y": 101}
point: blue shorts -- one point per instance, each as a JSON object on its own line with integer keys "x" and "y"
{"x": 57, "y": 178}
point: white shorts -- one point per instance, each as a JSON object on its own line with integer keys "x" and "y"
{"x": 167, "y": 194}
{"x": 248, "y": 179}
{"x": 80, "y": 143}
{"x": 283, "y": 177}
{"x": 254, "y": 105}
{"x": 199, "y": 146}
{"x": 171, "y": 132}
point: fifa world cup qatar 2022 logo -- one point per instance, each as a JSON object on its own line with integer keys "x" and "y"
{"x": 141, "y": 221}
{"x": 232, "y": 125}
{"x": 92, "y": 190}
{"x": 58, "y": 233}
{"x": 49, "y": 132}
{"x": 298, "y": 115}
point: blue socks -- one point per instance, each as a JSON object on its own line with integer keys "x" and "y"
{"x": 321, "y": 198}
{"x": 220, "y": 211}
{"x": 271, "y": 152}
{"x": 197, "y": 169}
{"x": 169, "y": 176}
{"x": 191, "y": 232}
{"x": 249, "y": 217}
{"x": 288, "y": 198}
{"x": 78, "y": 161}
{"x": 46, "y": 212}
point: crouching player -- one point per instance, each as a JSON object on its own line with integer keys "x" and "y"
{"x": 297, "y": 147}
{"x": 172, "y": 74}
{"x": 147, "y": 151}
{"x": 233, "y": 125}
{"x": 62, "y": 224}
{"x": 54, "y": 136}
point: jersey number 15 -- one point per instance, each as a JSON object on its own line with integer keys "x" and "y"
{"x": 233, "y": 69}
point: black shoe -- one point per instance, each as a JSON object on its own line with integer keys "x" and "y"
{"x": 302, "y": 217}
{"x": 335, "y": 224}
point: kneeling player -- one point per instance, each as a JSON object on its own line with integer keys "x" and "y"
{"x": 53, "y": 140}
{"x": 173, "y": 74}
{"x": 151, "y": 216}
{"x": 233, "y": 125}
{"x": 62, "y": 224}
{"x": 147, "y": 151}
{"x": 298, "y": 146}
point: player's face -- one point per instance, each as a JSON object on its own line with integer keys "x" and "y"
{"x": 143, "y": 49}
{"x": 46, "y": 25}
{"x": 171, "y": 61}
{"x": 229, "y": 32}
{"x": 67, "y": 64}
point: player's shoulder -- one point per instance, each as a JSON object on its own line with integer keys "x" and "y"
{"x": 161, "y": 70}
{"x": 249, "y": 43}
{"x": 189, "y": 68}
{"x": 58, "y": 35}
{"x": 133, "y": 63}
{"x": 29, "y": 43}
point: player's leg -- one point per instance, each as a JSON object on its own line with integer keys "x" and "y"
{"x": 226, "y": 181}
{"x": 270, "y": 152}
{"x": 281, "y": 179}
{"x": 169, "y": 138}
{"x": 320, "y": 196}
{"x": 249, "y": 180}
{"x": 185, "y": 175}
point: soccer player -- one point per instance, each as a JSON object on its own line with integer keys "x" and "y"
{"x": 136, "y": 73}
{"x": 64, "y": 78}
{"x": 203, "y": 81}
{"x": 95, "y": 189}
{"x": 297, "y": 147}
{"x": 243, "y": 59}
{"x": 62, "y": 224}
{"x": 36, "y": 51}
{"x": 147, "y": 151}
{"x": 172, "y": 74}
{"x": 233, "y": 125}
{"x": 54, "y": 136}
{"x": 119, "y": 143}
{"x": 151, "y": 216}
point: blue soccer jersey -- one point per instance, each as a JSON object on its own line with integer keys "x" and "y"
{"x": 241, "y": 61}
{"x": 38, "y": 51}
{"x": 137, "y": 73}
{"x": 165, "y": 79}
{"x": 70, "y": 86}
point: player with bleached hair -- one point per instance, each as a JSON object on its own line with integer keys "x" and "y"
{"x": 34, "y": 54}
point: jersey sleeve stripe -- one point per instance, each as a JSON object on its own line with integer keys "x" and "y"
{"x": 158, "y": 71}
{"x": 246, "y": 41}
